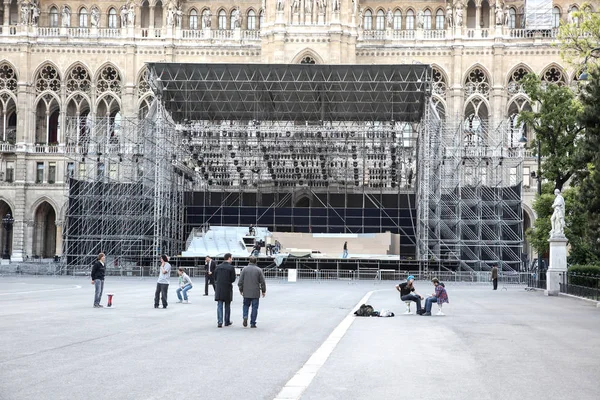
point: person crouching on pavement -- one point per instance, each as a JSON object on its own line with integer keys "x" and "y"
{"x": 406, "y": 290}
{"x": 440, "y": 296}
{"x": 185, "y": 284}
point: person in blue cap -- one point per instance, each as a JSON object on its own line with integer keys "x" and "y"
{"x": 408, "y": 293}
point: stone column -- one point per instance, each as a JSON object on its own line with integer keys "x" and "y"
{"x": 59, "y": 238}
{"x": 150, "y": 17}
{"x": 557, "y": 269}
{"x": 478, "y": 17}
{"x": 6, "y": 21}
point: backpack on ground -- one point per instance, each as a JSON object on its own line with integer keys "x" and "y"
{"x": 364, "y": 310}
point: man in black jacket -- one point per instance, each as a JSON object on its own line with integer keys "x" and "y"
{"x": 224, "y": 278}
{"x": 209, "y": 277}
{"x": 98, "y": 271}
{"x": 407, "y": 289}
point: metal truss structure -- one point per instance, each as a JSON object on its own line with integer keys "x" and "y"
{"x": 125, "y": 192}
{"x": 469, "y": 192}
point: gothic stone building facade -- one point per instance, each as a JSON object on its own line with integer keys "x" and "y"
{"x": 67, "y": 59}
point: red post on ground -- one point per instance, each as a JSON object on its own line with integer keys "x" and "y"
{"x": 110, "y": 297}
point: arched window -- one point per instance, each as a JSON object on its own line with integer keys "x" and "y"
{"x": 261, "y": 19}
{"x": 222, "y": 20}
{"x": 427, "y": 20}
{"x": 477, "y": 81}
{"x": 410, "y": 20}
{"x": 512, "y": 18}
{"x": 232, "y": 20}
{"x": 397, "y": 20}
{"x": 514, "y": 82}
{"x": 112, "y": 18}
{"x": 556, "y": 17}
{"x": 439, "y": 83}
{"x": 251, "y": 20}
{"x": 439, "y": 20}
{"x": 554, "y": 75}
{"x": 380, "y": 20}
{"x": 193, "y": 19}
{"x": 307, "y": 60}
{"x": 83, "y": 18}
{"x": 53, "y": 14}
{"x": 573, "y": 19}
{"x": 368, "y": 22}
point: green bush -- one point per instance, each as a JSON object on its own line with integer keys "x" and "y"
{"x": 587, "y": 275}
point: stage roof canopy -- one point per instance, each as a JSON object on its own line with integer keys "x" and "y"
{"x": 292, "y": 92}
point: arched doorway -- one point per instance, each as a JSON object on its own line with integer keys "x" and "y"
{"x": 44, "y": 231}
{"x": 5, "y": 209}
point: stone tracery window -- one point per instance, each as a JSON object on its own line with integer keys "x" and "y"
{"x": 475, "y": 123}
{"x": 143, "y": 86}
{"x": 516, "y": 130}
{"x": 439, "y": 83}
{"x": 109, "y": 80}
{"x": 47, "y": 79}
{"x": 514, "y": 82}
{"x": 439, "y": 107}
{"x": 8, "y": 78}
{"x": 554, "y": 75}
{"x": 307, "y": 60}
{"x": 477, "y": 82}
{"x": 78, "y": 80}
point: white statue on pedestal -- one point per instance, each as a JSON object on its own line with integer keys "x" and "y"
{"x": 459, "y": 15}
{"x": 420, "y": 19}
{"x": 95, "y": 17}
{"x": 558, "y": 216}
{"x": 236, "y": 18}
{"x": 124, "y": 12}
{"x": 335, "y": 5}
{"x": 66, "y": 17}
{"x": 449, "y": 16}
{"x": 206, "y": 18}
{"x": 295, "y": 6}
{"x": 389, "y": 18}
{"x": 360, "y": 18}
{"x": 280, "y": 6}
{"x": 170, "y": 15}
{"x": 499, "y": 14}
{"x": 131, "y": 14}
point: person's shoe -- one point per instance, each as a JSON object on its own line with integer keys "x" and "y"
{"x": 205, "y": 295}
{"x": 96, "y": 306}
{"x": 245, "y": 323}
{"x": 421, "y": 312}
{"x": 187, "y": 301}
{"x": 100, "y": 306}
{"x": 155, "y": 306}
{"x": 253, "y": 326}
{"x": 180, "y": 301}
{"x": 228, "y": 323}
{"x": 427, "y": 314}
{"x": 219, "y": 325}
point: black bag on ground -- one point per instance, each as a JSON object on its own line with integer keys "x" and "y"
{"x": 364, "y": 310}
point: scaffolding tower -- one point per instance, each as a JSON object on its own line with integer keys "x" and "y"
{"x": 469, "y": 192}
{"x": 126, "y": 180}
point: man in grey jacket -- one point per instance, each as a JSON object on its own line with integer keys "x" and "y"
{"x": 251, "y": 284}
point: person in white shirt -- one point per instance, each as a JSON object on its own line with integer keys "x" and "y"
{"x": 162, "y": 284}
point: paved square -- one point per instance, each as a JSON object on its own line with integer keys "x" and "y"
{"x": 491, "y": 345}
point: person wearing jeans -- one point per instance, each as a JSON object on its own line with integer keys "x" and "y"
{"x": 185, "y": 284}
{"x": 251, "y": 284}
{"x": 407, "y": 289}
{"x": 224, "y": 278}
{"x": 162, "y": 284}
{"x": 98, "y": 272}
{"x": 440, "y": 296}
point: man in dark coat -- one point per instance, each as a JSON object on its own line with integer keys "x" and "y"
{"x": 495, "y": 276}
{"x": 224, "y": 278}
{"x": 209, "y": 277}
{"x": 98, "y": 271}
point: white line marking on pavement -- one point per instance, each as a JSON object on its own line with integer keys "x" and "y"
{"x": 296, "y": 386}
{"x": 40, "y": 291}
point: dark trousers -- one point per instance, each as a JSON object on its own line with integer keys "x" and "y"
{"x": 208, "y": 279}
{"x": 413, "y": 297}
{"x": 247, "y": 303}
{"x": 161, "y": 291}
{"x": 495, "y": 283}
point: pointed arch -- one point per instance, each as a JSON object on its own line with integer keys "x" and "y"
{"x": 554, "y": 74}
{"x": 108, "y": 78}
{"x": 440, "y": 80}
{"x": 307, "y": 53}
{"x": 78, "y": 78}
{"x": 514, "y": 77}
{"x": 477, "y": 80}
{"x": 144, "y": 104}
{"x": 8, "y": 76}
{"x": 47, "y": 107}
{"x": 477, "y": 112}
{"x": 47, "y": 77}
{"x": 440, "y": 106}
{"x": 39, "y": 201}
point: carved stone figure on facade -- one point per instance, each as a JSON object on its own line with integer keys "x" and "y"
{"x": 170, "y": 15}
{"x": 558, "y": 216}
{"x": 131, "y": 14}
{"x": 499, "y": 13}
{"x": 295, "y": 6}
{"x": 360, "y": 18}
{"x": 65, "y": 17}
{"x": 94, "y": 17}
{"x": 354, "y": 7}
{"x": 206, "y": 18}
{"x": 35, "y": 14}
{"x": 178, "y": 17}
{"x": 389, "y": 17}
{"x": 420, "y": 19}
{"x": 321, "y": 5}
{"x": 123, "y": 13}
{"x": 280, "y": 6}
{"x": 506, "y": 16}
{"x": 449, "y": 16}
{"x": 335, "y": 5}
{"x": 25, "y": 13}
{"x": 459, "y": 15}
{"x": 236, "y": 18}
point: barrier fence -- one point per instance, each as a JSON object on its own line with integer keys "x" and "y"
{"x": 581, "y": 285}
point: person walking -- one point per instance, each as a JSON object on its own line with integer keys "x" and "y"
{"x": 251, "y": 284}
{"x": 406, "y": 290}
{"x": 185, "y": 284}
{"x": 439, "y": 296}
{"x": 495, "y": 276}
{"x": 209, "y": 270}
{"x": 162, "y": 284}
{"x": 224, "y": 278}
{"x": 98, "y": 272}
{"x": 345, "y": 253}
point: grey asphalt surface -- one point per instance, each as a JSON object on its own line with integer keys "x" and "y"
{"x": 491, "y": 345}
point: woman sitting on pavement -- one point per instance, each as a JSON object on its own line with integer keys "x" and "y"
{"x": 406, "y": 290}
{"x": 185, "y": 284}
{"x": 440, "y": 296}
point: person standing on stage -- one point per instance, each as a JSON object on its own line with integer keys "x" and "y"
{"x": 224, "y": 278}
{"x": 345, "y": 253}
{"x": 209, "y": 270}
{"x": 98, "y": 271}
{"x": 495, "y": 276}
{"x": 251, "y": 284}
{"x": 162, "y": 284}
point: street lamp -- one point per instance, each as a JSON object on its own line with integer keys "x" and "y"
{"x": 7, "y": 223}
{"x": 584, "y": 74}
{"x": 523, "y": 140}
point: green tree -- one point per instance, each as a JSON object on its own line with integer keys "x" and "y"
{"x": 556, "y": 126}
{"x": 578, "y": 38}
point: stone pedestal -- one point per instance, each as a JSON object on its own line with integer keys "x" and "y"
{"x": 206, "y": 33}
{"x": 321, "y": 19}
{"x": 558, "y": 265}
{"x": 296, "y": 19}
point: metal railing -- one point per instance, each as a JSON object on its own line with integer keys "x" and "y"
{"x": 581, "y": 285}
